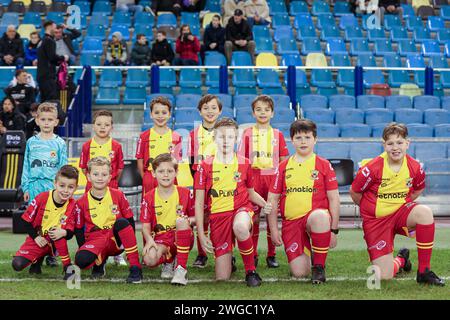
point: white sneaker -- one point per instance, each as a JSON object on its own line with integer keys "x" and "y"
{"x": 119, "y": 260}
{"x": 167, "y": 270}
{"x": 179, "y": 276}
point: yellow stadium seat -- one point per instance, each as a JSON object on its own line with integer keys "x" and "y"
{"x": 82, "y": 181}
{"x": 184, "y": 177}
{"x": 208, "y": 18}
{"x": 410, "y": 89}
{"x": 418, "y": 3}
{"x": 24, "y": 30}
{"x": 266, "y": 59}
{"x": 25, "y": 2}
{"x": 48, "y": 2}
{"x": 316, "y": 59}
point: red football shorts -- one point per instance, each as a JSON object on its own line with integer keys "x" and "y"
{"x": 379, "y": 233}
{"x": 101, "y": 243}
{"x": 31, "y": 251}
{"x": 262, "y": 184}
{"x": 221, "y": 230}
{"x": 295, "y": 237}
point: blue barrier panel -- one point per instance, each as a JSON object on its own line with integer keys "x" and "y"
{"x": 359, "y": 81}
{"x": 154, "y": 79}
{"x": 223, "y": 79}
{"x": 291, "y": 85}
{"x": 429, "y": 81}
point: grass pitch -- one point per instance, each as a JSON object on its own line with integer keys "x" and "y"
{"x": 346, "y": 277}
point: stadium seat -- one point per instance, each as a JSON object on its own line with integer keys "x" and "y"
{"x": 376, "y": 34}
{"x": 406, "y": 47}
{"x": 311, "y": 101}
{"x": 191, "y": 78}
{"x": 364, "y": 150}
{"x": 445, "y": 103}
{"x": 391, "y": 21}
{"x": 134, "y": 95}
{"x": 92, "y": 46}
{"x": 330, "y": 32}
{"x": 354, "y": 33}
{"x": 167, "y": 78}
{"x": 442, "y": 130}
{"x": 425, "y": 11}
{"x": 33, "y": 18}
{"x": 335, "y": 46}
{"x": 85, "y": 7}
{"x": 102, "y": 7}
{"x": 110, "y": 78}
{"x": 398, "y": 102}
{"x": 341, "y": 8}
{"x": 410, "y": 90}
{"x": 437, "y": 178}
{"x": 99, "y": 19}
{"x": 291, "y": 59}
{"x": 268, "y": 78}
{"x": 445, "y": 12}
{"x": 17, "y": 7}
{"x": 24, "y": 30}
{"x": 243, "y": 101}
{"x": 327, "y": 130}
{"x": 346, "y": 78}
{"x": 421, "y": 34}
{"x": 302, "y": 19}
{"x": 283, "y": 116}
{"x": 355, "y": 130}
{"x": 279, "y": 20}
{"x": 320, "y": 115}
{"x": 187, "y": 101}
{"x": 137, "y": 78}
{"x": 145, "y": 29}
{"x": 189, "y": 18}
{"x": 96, "y": 31}
{"x": 301, "y": 82}
{"x": 399, "y": 34}
{"x": 279, "y": 33}
{"x": 408, "y": 10}
{"x": 348, "y": 21}
{"x": 377, "y": 130}
{"x": 287, "y": 46}
{"x": 434, "y": 117}
{"x": 359, "y": 47}
{"x": 320, "y": 7}
{"x": 310, "y": 45}
{"x": 376, "y": 115}
{"x": 431, "y": 150}
{"x": 170, "y": 97}
{"x": 263, "y": 45}
{"x": 333, "y": 150}
{"x": 244, "y": 78}
{"x": 349, "y": 115}
{"x": 297, "y": 7}
{"x": 121, "y": 17}
{"x": 123, "y": 29}
{"x": 90, "y": 59}
{"x": 78, "y": 75}
{"x": 420, "y": 130}
{"x": 277, "y": 7}
{"x": 340, "y": 101}
{"x": 430, "y": 48}
{"x": 322, "y": 78}
{"x": 341, "y": 60}
{"x": 144, "y": 18}
{"x": 426, "y": 102}
{"x": 241, "y": 58}
{"x": 166, "y": 20}
{"x": 305, "y": 32}
{"x": 443, "y": 36}
{"x": 244, "y": 117}
{"x": 414, "y": 22}
{"x": 435, "y": 24}
{"x": 447, "y": 49}
{"x": 184, "y": 115}
{"x": 325, "y": 20}
{"x": 38, "y": 6}
{"x": 383, "y": 47}
{"x": 106, "y": 96}
{"x": 316, "y": 59}
{"x": 9, "y": 18}
{"x": 365, "y": 102}
{"x": 281, "y": 101}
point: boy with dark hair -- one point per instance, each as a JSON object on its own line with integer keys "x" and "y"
{"x": 305, "y": 190}
{"x": 162, "y": 51}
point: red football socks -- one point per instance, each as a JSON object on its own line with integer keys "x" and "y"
{"x": 128, "y": 239}
{"x": 183, "y": 241}
{"x": 424, "y": 241}
{"x": 320, "y": 242}
{"x": 399, "y": 263}
{"x": 63, "y": 251}
{"x": 247, "y": 253}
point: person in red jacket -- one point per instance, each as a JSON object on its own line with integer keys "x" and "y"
{"x": 188, "y": 47}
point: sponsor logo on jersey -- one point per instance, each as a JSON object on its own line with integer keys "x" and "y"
{"x": 89, "y": 246}
{"x": 293, "y": 247}
{"x": 111, "y": 154}
{"x": 43, "y": 163}
{"x": 379, "y": 246}
{"x": 180, "y": 210}
{"x": 395, "y": 195}
{"x": 222, "y": 247}
{"x": 365, "y": 171}
{"x": 223, "y": 193}
{"x": 63, "y": 220}
{"x": 301, "y": 189}
{"x": 314, "y": 175}
{"x": 24, "y": 252}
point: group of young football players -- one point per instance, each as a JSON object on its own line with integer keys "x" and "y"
{"x": 233, "y": 185}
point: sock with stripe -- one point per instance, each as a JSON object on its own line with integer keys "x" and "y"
{"x": 128, "y": 239}
{"x": 247, "y": 253}
{"x": 255, "y": 236}
{"x": 183, "y": 241}
{"x": 424, "y": 242}
{"x": 63, "y": 251}
{"x": 320, "y": 242}
{"x": 399, "y": 263}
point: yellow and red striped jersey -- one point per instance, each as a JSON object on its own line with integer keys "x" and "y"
{"x": 201, "y": 144}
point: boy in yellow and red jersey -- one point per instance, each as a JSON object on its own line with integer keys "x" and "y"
{"x": 385, "y": 190}
{"x": 201, "y": 145}
{"x": 49, "y": 222}
{"x": 225, "y": 183}
{"x": 102, "y": 145}
{"x": 158, "y": 139}
{"x": 265, "y": 147}
{"x": 306, "y": 190}
{"x": 167, "y": 214}
{"x": 104, "y": 224}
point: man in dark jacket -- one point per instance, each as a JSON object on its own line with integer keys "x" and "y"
{"x": 64, "y": 45}
{"x": 47, "y": 62}
{"x": 22, "y": 93}
{"x": 390, "y": 7}
{"x": 10, "y": 117}
{"x": 141, "y": 52}
{"x": 162, "y": 51}
{"x": 11, "y": 48}
{"x": 213, "y": 37}
{"x": 239, "y": 36}
{"x": 167, "y": 5}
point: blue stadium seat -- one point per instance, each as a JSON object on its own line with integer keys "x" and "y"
{"x": 33, "y": 18}
{"x": 78, "y": 75}
{"x": 291, "y": 59}
{"x": 283, "y": 116}
{"x": 445, "y": 103}
{"x": 305, "y": 32}
{"x": 297, "y": 7}
{"x": 443, "y": 36}
{"x": 301, "y": 82}
{"x": 383, "y": 47}
{"x": 365, "y": 102}
{"x": 6, "y": 75}
{"x": 123, "y": 29}
{"x": 241, "y": 101}
{"x": 328, "y": 130}
{"x": 377, "y": 130}
{"x": 445, "y": 12}
{"x": 137, "y": 78}
{"x": 426, "y": 102}
{"x": 244, "y": 78}
{"x": 92, "y": 46}
{"x": 366, "y": 60}
{"x": 245, "y": 117}
{"x": 246, "y": 90}
{"x": 346, "y": 78}
{"x": 431, "y": 150}
{"x": 359, "y": 46}
{"x": 167, "y": 78}
{"x": 377, "y": 115}
{"x": 447, "y": 49}
{"x": 376, "y": 34}
{"x": 102, "y": 7}
{"x": 435, "y": 23}
{"x": 340, "y": 101}
{"x": 330, "y": 32}
{"x": 263, "y": 45}
{"x": 325, "y": 20}
{"x": 436, "y": 181}
{"x": 421, "y": 34}
{"x": 281, "y": 101}
{"x": 398, "y": 102}
{"x": 85, "y": 7}
{"x": 226, "y": 100}
{"x": 311, "y": 101}
{"x": 355, "y": 130}
{"x": 135, "y": 95}
{"x": 354, "y": 33}
{"x": 322, "y": 78}
{"x": 349, "y": 115}
{"x": 187, "y": 101}
{"x": 342, "y": 60}
{"x": 372, "y": 77}
{"x": 268, "y": 78}
{"x": 227, "y": 112}
{"x": 420, "y": 130}
{"x": 277, "y": 7}
{"x": 310, "y": 45}
{"x": 166, "y": 20}
{"x": 99, "y": 19}
{"x": 191, "y": 78}
{"x": 145, "y": 29}
{"x": 96, "y": 31}
{"x": 320, "y": 115}
{"x": 335, "y": 46}
{"x": 408, "y": 10}
{"x": 392, "y": 60}
{"x": 406, "y": 47}
{"x": 213, "y": 6}
{"x": 333, "y": 150}
{"x": 279, "y": 33}
{"x": 391, "y": 21}
{"x": 434, "y": 117}
{"x": 320, "y": 7}
{"x": 90, "y": 59}
{"x": 213, "y": 58}
{"x": 430, "y": 48}
{"x": 144, "y": 18}
{"x": 187, "y": 115}
{"x": 241, "y": 58}
{"x": 340, "y": 8}
{"x": 152, "y": 96}
{"x": 442, "y": 130}
{"x": 302, "y": 19}
{"x": 107, "y": 96}
{"x": 399, "y": 34}
{"x": 348, "y": 21}
{"x": 121, "y": 17}
{"x": 279, "y": 20}
{"x": 10, "y": 18}
{"x": 110, "y": 78}
{"x": 189, "y": 18}
{"x": 364, "y": 150}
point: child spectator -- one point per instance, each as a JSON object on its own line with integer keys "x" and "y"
{"x": 162, "y": 52}
{"x": 141, "y": 53}
{"x": 31, "y": 49}
{"x": 116, "y": 54}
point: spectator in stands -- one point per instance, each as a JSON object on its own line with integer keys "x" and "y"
{"x": 47, "y": 62}
{"x": 162, "y": 52}
{"x": 141, "y": 52}
{"x": 229, "y": 7}
{"x": 213, "y": 37}
{"x": 64, "y": 45}
{"x": 30, "y": 81}
{"x": 257, "y": 12}
{"x": 390, "y": 7}
{"x": 173, "y": 6}
{"x": 116, "y": 54}
{"x": 239, "y": 36}
{"x": 31, "y": 49}
{"x": 193, "y": 5}
{"x": 10, "y": 117}
{"x": 188, "y": 47}
{"x": 366, "y": 6}
{"x": 31, "y": 128}
{"x": 11, "y": 48}
{"x": 128, "y": 6}
{"x": 22, "y": 93}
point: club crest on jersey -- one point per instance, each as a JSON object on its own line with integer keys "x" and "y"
{"x": 314, "y": 175}
{"x": 111, "y": 154}
{"x": 274, "y": 142}
{"x": 180, "y": 210}
{"x": 53, "y": 154}
{"x": 114, "y": 209}
{"x": 171, "y": 148}
{"x": 409, "y": 182}
{"x": 237, "y": 176}
{"x": 63, "y": 220}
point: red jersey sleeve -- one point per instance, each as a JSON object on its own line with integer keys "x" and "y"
{"x": 419, "y": 178}
{"x": 32, "y": 210}
{"x": 364, "y": 179}
{"x": 284, "y": 151}
{"x": 330, "y": 177}
{"x": 190, "y": 211}
{"x": 124, "y": 206}
{"x": 120, "y": 163}
{"x": 200, "y": 177}
{"x": 69, "y": 223}
{"x": 277, "y": 182}
{"x": 140, "y": 147}
{"x": 147, "y": 214}
{"x": 84, "y": 157}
